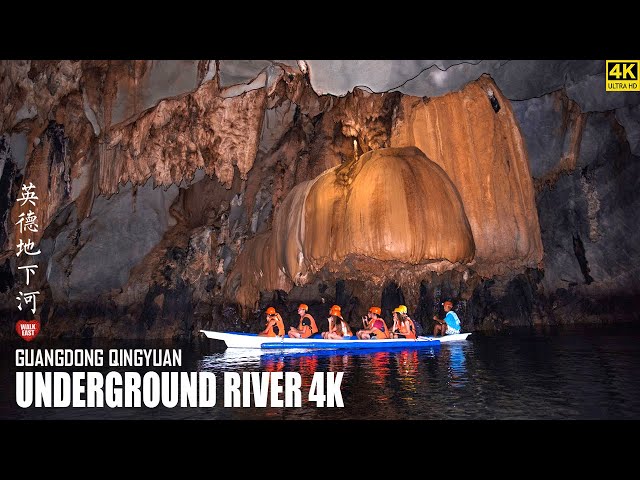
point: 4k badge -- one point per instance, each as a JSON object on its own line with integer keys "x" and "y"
{"x": 622, "y": 76}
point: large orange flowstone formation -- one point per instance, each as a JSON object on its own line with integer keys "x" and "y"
{"x": 483, "y": 152}
{"x": 392, "y": 208}
{"x": 394, "y": 213}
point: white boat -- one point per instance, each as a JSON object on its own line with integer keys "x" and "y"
{"x": 252, "y": 340}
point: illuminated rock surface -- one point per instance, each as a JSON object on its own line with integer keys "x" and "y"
{"x": 391, "y": 209}
{"x": 259, "y": 200}
{"x": 483, "y": 152}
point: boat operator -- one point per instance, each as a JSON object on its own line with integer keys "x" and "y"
{"x": 451, "y": 323}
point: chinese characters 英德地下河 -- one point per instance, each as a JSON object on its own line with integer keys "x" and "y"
{"x": 27, "y": 222}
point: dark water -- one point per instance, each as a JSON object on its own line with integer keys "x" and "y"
{"x": 591, "y": 373}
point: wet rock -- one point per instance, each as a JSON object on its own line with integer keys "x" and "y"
{"x": 629, "y": 118}
{"x": 517, "y": 79}
{"x": 382, "y": 221}
{"x": 120, "y": 232}
{"x": 150, "y": 81}
{"x": 459, "y": 132}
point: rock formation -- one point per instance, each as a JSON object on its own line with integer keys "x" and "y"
{"x": 176, "y": 195}
{"x": 474, "y": 137}
{"x": 391, "y": 209}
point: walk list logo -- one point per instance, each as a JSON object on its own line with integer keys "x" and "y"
{"x": 28, "y": 329}
{"x": 622, "y": 76}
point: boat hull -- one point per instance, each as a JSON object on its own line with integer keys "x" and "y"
{"x": 251, "y": 340}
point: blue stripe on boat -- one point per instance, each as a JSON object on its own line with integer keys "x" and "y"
{"x": 354, "y": 344}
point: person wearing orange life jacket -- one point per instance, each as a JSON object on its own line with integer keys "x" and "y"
{"x": 345, "y": 326}
{"x": 307, "y": 325}
{"x": 403, "y": 326}
{"x": 275, "y": 325}
{"x": 338, "y": 328}
{"x": 374, "y": 326}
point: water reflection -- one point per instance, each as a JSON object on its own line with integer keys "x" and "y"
{"x": 394, "y": 380}
{"x": 272, "y": 363}
{"x": 457, "y": 368}
{"x": 407, "y": 366}
{"x": 404, "y": 365}
{"x": 593, "y": 374}
{"x": 379, "y": 368}
{"x": 231, "y": 359}
{"x": 305, "y": 364}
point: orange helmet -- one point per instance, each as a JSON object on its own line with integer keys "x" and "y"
{"x": 448, "y": 303}
{"x": 336, "y": 307}
{"x": 335, "y": 311}
{"x": 271, "y": 311}
{"x": 303, "y": 306}
{"x": 375, "y": 310}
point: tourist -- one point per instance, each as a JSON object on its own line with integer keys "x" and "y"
{"x": 275, "y": 325}
{"x": 306, "y": 326}
{"x": 403, "y": 326}
{"x": 338, "y": 328}
{"x": 374, "y": 325}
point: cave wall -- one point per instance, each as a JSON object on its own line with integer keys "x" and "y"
{"x": 156, "y": 179}
{"x": 473, "y": 135}
{"x": 589, "y": 222}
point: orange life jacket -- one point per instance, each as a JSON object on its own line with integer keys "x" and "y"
{"x": 314, "y": 327}
{"x": 380, "y": 333}
{"x": 412, "y": 328}
{"x": 343, "y": 328}
{"x": 346, "y": 329}
{"x": 279, "y": 324}
{"x": 402, "y": 323}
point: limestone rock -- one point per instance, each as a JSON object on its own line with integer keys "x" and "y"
{"x": 592, "y": 96}
{"x": 483, "y": 153}
{"x": 272, "y": 193}
{"x": 589, "y": 219}
{"x": 31, "y": 89}
{"x": 517, "y": 79}
{"x": 552, "y": 127}
{"x": 629, "y": 118}
{"x": 148, "y": 82}
{"x": 169, "y": 145}
{"x": 101, "y": 250}
{"x": 359, "y": 211}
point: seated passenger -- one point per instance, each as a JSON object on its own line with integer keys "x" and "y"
{"x": 338, "y": 328}
{"x": 307, "y": 325}
{"x": 275, "y": 325}
{"x": 374, "y": 325}
{"x": 403, "y": 326}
